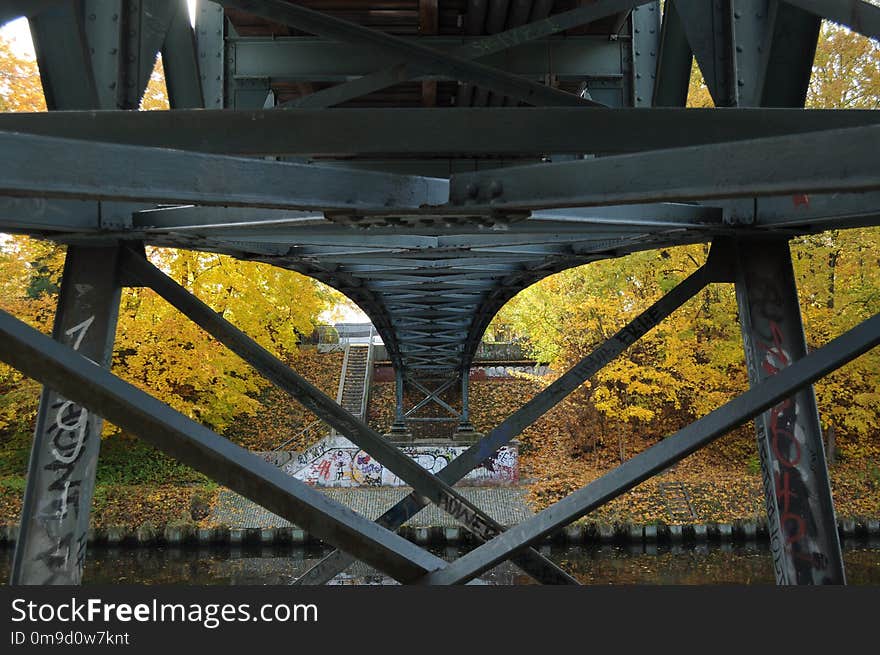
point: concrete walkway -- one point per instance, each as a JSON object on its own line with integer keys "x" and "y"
{"x": 506, "y": 505}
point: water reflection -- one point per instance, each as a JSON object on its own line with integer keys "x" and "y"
{"x": 606, "y": 564}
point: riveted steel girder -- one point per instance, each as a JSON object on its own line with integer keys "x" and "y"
{"x": 460, "y": 131}
{"x": 831, "y": 160}
{"x": 101, "y": 171}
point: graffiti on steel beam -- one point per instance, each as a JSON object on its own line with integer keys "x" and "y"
{"x": 787, "y": 460}
{"x": 67, "y": 432}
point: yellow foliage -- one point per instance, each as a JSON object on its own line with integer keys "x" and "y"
{"x": 20, "y": 85}
{"x": 693, "y": 361}
{"x": 156, "y": 348}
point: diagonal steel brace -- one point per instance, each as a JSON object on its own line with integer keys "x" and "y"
{"x": 716, "y": 269}
{"x": 423, "y": 482}
{"x": 670, "y": 450}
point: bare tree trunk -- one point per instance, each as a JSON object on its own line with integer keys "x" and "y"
{"x": 832, "y": 277}
{"x": 831, "y": 450}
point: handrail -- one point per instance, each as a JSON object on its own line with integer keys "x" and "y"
{"x": 367, "y": 375}
{"x": 298, "y": 434}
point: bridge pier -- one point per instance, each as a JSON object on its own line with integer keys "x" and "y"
{"x": 465, "y": 430}
{"x": 800, "y": 510}
{"x": 399, "y": 430}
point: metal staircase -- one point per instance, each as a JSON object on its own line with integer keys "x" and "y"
{"x": 678, "y": 501}
{"x": 354, "y": 382}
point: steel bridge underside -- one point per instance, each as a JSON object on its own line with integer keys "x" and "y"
{"x": 432, "y": 283}
{"x": 431, "y": 178}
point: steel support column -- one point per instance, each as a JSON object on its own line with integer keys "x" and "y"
{"x": 465, "y": 428}
{"x": 63, "y": 57}
{"x": 674, "y": 61}
{"x": 800, "y": 510}
{"x": 210, "y": 23}
{"x": 61, "y": 475}
{"x": 180, "y": 59}
{"x": 398, "y": 430}
{"x": 789, "y": 55}
{"x": 645, "y": 47}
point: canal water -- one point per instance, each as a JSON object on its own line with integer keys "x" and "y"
{"x": 711, "y": 563}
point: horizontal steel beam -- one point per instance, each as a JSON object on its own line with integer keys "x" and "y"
{"x": 41, "y": 214}
{"x": 670, "y": 450}
{"x": 83, "y": 381}
{"x": 452, "y": 132}
{"x": 242, "y": 222}
{"x": 302, "y": 58}
{"x": 53, "y": 167}
{"x": 828, "y": 161}
{"x": 820, "y": 210}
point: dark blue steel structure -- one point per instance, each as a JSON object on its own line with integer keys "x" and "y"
{"x": 430, "y": 159}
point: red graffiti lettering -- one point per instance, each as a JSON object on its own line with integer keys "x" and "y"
{"x": 781, "y": 436}
{"x": 800, "y": 527}
{"x": 776, "y": 358}
{"x": 784, "y": 445}
{"x": 323, "y": 469}
{"x": 783, "y": 490}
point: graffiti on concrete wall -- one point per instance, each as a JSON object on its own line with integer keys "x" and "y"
{"x": 339, "y": 463}
{"x": 507, "y": 371}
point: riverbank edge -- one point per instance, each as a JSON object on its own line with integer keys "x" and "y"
{"x": 582, "y": 533}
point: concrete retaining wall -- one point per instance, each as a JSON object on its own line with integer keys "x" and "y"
{"x": 337, "y": 462}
